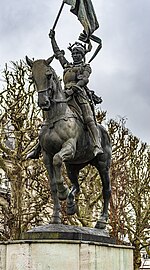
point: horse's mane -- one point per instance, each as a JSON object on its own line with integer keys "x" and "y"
{"x": 56, "y": 78}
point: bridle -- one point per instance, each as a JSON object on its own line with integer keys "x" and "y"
{"x": 46, "y": 90}
{"x": 54, "y": 100}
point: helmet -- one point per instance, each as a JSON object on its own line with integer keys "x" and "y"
{"x": 78, "y": 47}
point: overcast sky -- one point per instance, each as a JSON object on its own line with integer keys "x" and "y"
{"x": 121, "y": 71}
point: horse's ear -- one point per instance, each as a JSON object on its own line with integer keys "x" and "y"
{"x": 49, "y": 60}
{"x": 29, "y": 61}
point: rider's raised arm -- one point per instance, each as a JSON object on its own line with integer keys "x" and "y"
{"x": 59, "y": 54}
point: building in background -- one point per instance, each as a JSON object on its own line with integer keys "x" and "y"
{"x": 145, "y": 260}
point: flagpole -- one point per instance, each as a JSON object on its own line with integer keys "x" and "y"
{"x": 58, "y": 15}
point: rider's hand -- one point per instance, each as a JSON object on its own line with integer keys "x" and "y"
{"x": 52, "y": 34}
{"x": 83, "y": 37}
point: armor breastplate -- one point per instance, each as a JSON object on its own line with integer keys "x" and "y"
{"x": 70, "y": 75}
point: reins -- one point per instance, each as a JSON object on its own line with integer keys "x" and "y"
{"x": 55, "y": 100}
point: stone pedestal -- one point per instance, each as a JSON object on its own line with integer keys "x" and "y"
{"x": 65, "y": 248}
{"x": 65, "y": 232}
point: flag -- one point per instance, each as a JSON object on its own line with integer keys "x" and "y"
{"x": 84, "y": 10}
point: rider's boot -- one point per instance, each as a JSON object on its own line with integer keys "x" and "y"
{"x": 35, "y": 153}
{"x": 95, "y": 137}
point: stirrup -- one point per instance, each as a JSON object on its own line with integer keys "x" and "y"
{"x": 97, "y": 150}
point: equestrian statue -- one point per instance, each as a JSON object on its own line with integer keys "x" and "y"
{"x": 70, "y": 133}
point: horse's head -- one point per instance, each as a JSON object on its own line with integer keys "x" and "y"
{"x": 43, "y": 77}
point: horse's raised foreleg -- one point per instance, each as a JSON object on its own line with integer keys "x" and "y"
{"x": 53, "y": 188}
{"x": 104, "y": 174}
{"x": 66, "y": 153}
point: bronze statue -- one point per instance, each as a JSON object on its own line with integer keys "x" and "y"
{"x": 64, "y": 137}
{"x": 70, "y": 133}
{"x": 76, "y": 77}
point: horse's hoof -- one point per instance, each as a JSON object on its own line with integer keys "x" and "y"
{"x": 101, "y": 223}
{"x": 33, "y": 155}
{"x": 63, "y": 194}
{"x": 71, "y": 210}
{"x": 55, "y": 220}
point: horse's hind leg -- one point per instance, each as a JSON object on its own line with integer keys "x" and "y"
{"x": 104, "y": 174}
{"x": 66, "y": 153}
{"x": 53, "y": 188}
{"x": 72, "y": 172}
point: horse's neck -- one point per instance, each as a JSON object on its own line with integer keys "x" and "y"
{"x": 59, "y": 107}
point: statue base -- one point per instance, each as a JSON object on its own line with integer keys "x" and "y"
{"x": 54, "y": 247}
{"x": 68, "y": 232}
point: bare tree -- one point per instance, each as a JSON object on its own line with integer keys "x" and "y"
{"x": 30, "y": 201}
{"x": 130, "y": 174}
{"x": 20, "y": 120}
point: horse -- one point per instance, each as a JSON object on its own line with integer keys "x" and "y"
{"x": 64, "y": 139}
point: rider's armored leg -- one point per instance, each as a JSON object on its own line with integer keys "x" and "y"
{"x": 35, "y": 153}
{"x": 95, "y": 137}
{"x": 92, "y": 128}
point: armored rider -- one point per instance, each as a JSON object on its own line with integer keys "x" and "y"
{"x": 75, "y": 78}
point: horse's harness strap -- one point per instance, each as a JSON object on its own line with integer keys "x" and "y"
{"x": 50, "y": 122}
{"x": 61, "y": 100}
{"x": 55, "y": 100}
{"x": 43, "y": 90}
